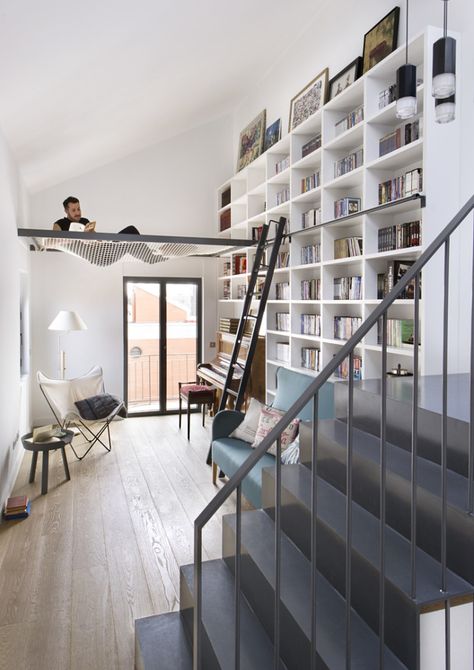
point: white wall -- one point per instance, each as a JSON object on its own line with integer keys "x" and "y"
{"x": 14, "y": 391}
{"x": 166, "y": 189}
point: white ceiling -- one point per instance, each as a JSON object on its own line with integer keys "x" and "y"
{"x": 84, "y": 82}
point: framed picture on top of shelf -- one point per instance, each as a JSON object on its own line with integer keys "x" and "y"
{"x": 311, "y": 98}
{"x": 381, "y": 39}
{"x": 345, "y": 77}
{"x": 251, "y": 141}
{"x": 272, "y": 134}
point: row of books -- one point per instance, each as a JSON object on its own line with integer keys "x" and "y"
{"x": 228, "y": 324}
{"x": 399, "y": 236}
{"x": 346, "y": 206}
{"x": 342, "y": 370}
{"x": 349, "y": 121}
{"x": 399, "y": 332}
{"x": 403, "y": 186}
{"x": 346, "y": 247}
{"x": 387, "y": 96}
{"x": 310, "y": 358}
{"x": 399, "y": 137}
{"x": 226, "y": 290}
{"x": 241, "y": 291}
{"x": 226, "y": 269}
{"x": 282, "y": 321}
{"x": 348, "y": 288}
{"x": 310, "y": 182}
{"x": 282, "y": 165}
{"x": 282, "y": 290}
{"x": 283, "y": 351}
{"x": 240, "y": 264}
{"x": 17, "y": 507}
{"x": 311, "y": 253}
{"x": 349, "y": 163}
{"x": 346, "y": 326}
{"x": 283, "y": 195}
{"x": 395, "y": 271}
{"x": 283, "y": 259}
{"x": 311, "y": 218}
{"x": 310, "y": 146}
{"x": 311, "y": 289}
{"x": 310, "y": 324}
{"x": 224, "y": 220}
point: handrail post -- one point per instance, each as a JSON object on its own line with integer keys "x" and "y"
{"x": 314, "y": 523}
{"x": 197, "y": 613}
{"x": 383, "y": 476}
{"x": 414, "y": 438}
{"x": 349, "y": 512}
{"x": 276, "y": 626}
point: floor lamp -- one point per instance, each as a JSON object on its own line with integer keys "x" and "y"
{"x": 64, "y": 322}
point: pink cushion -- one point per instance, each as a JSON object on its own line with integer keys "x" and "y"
{"x": 198, "y": 390}
{"x": 269, "y": 418}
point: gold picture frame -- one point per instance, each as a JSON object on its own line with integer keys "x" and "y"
{"x": 311, "y": 98}
{"x": 381, "y": 39}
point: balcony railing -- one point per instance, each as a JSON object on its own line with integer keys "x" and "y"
{"x": 144, "y": 376}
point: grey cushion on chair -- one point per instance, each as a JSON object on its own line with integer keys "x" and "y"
{"x": 97, "y": 407}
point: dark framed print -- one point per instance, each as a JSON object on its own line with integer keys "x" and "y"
{"x": 381, "y": 40}
{"x": 272, "y": 134}
{"x": 251, "y": 141}
{"x": 345, "y": 77}
{"x": 311, "y": 98}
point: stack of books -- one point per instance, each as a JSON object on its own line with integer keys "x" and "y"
{"x": 18, "y": 507}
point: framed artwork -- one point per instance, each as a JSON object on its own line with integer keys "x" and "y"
{"x": 311, "y": 98}
{"x": 345, "y": 77}
{"x": 381, "y": 40}
{"x": 251, "y": 141}
{"x": 272, "y": 134}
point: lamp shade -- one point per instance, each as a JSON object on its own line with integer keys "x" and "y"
{"x": 406, "y": 91}
{"x": 444, "y": 67}
{"x": 67, "y": 320}
{"x": 445, "y": 109}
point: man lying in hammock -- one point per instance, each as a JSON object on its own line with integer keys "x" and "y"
{"x": 74, "y": 220}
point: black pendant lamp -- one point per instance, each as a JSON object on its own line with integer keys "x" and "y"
{"x": 444, "y": 62}
{"x": 406, "y": 83}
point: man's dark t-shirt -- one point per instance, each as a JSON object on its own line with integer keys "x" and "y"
{"x": 65, "y": 223}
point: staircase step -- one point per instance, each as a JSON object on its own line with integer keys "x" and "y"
{"x": 332, "y": 435}
{"x": 256, "y": 651}
{"x": 401, "y": 610}
{"x": 161, "y": 643}
{"x": 258, "y": 583}
{"x": 399, "y": 398}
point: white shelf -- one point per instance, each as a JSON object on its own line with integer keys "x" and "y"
{"x": 406, "y": 155}
{"x": 311, "y": 160}
{"x": 350, "y": 139}
{"x": 348, "y": 180}
{"x": 388, "y": 115}
{"x": 309, "y": 196}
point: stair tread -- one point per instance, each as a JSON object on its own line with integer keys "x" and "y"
{"x": 365, "y": 539}
{"x": 258, "y": 539}
{"x": 399, "y": 461}
{"x": 162, "y": 644}
{"x": 218, "y": 619}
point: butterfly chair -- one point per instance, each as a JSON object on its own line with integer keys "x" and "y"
{"x": 83, "y": 402}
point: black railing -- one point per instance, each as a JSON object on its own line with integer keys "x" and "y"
{"x": 311, "y": 394}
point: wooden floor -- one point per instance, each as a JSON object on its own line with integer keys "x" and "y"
{"x": 103, "y": 549}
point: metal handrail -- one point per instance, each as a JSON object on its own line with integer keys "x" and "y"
{"x": 310, "y": 393}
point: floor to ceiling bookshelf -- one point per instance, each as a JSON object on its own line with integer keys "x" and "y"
{"x": 330, "y": 274}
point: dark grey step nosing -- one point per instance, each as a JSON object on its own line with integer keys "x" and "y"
{"x": 258, "y": 539}
{"x": 218, "y": 619}
{"x": 365, "y": 540}
{"x": 161, "y": 643}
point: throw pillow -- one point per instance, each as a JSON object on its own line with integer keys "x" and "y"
{"x": 291, "y": 455}
{"x": 97, "y": 406}
{"x": 269, "y": 418}
{"x": 247, "y": 429}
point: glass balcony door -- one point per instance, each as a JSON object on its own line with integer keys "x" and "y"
{"x": 162, "y": 341}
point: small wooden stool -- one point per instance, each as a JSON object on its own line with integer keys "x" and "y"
{"x": 46, "y": 447}
{"x": 195, "y": 394}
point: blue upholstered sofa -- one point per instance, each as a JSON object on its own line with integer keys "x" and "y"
{"x": 229, "y": 453}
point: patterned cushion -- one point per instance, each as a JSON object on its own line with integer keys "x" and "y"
{"x": 247, "y": 430}
{"x": 199, "y": 391}
{"x": 269, "y": 418}
{"x": 97, "y": 406}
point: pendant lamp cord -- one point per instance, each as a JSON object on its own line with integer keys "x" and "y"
{"x": 406, "y": 37}
{"x": 445, "y": 20}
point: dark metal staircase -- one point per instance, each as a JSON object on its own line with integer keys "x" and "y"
{"x": 354, "y": 545}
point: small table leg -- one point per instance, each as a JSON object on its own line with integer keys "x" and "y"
{"x": 34, "y": 459}
{"x": 65, "y": 463}
{"x": 44, "y": 473}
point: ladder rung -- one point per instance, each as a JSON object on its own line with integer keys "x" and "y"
{"x": 231, "y": 392}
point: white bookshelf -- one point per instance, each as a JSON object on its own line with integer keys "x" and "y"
{"x": 254, "y": 200}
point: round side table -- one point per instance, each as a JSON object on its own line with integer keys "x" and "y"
{"x": 45, "y": 448}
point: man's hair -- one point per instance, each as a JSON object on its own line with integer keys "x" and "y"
{"x": 69, "y": 201}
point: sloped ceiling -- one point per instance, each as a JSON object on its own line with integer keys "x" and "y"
{"x": 86, "y": 82}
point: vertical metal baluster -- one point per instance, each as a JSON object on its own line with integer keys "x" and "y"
{"x": 414, "y": 437}
{"x": 197, "y": 598}
{"x": 238, "y": 546}
{"x": 383, "y": 478}
{"x": 470, "y": 501}
{"x": 314, "y": 521}
{"x": 444, "y": 418}
{"x": 447, "y": 634}
{"x": 349, "y": 511}
{"x": 276, "y": 623}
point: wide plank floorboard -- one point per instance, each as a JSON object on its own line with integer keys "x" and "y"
{"x": 105, "y": 548}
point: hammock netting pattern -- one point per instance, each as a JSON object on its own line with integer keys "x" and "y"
{"x": 104, "y": 252}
